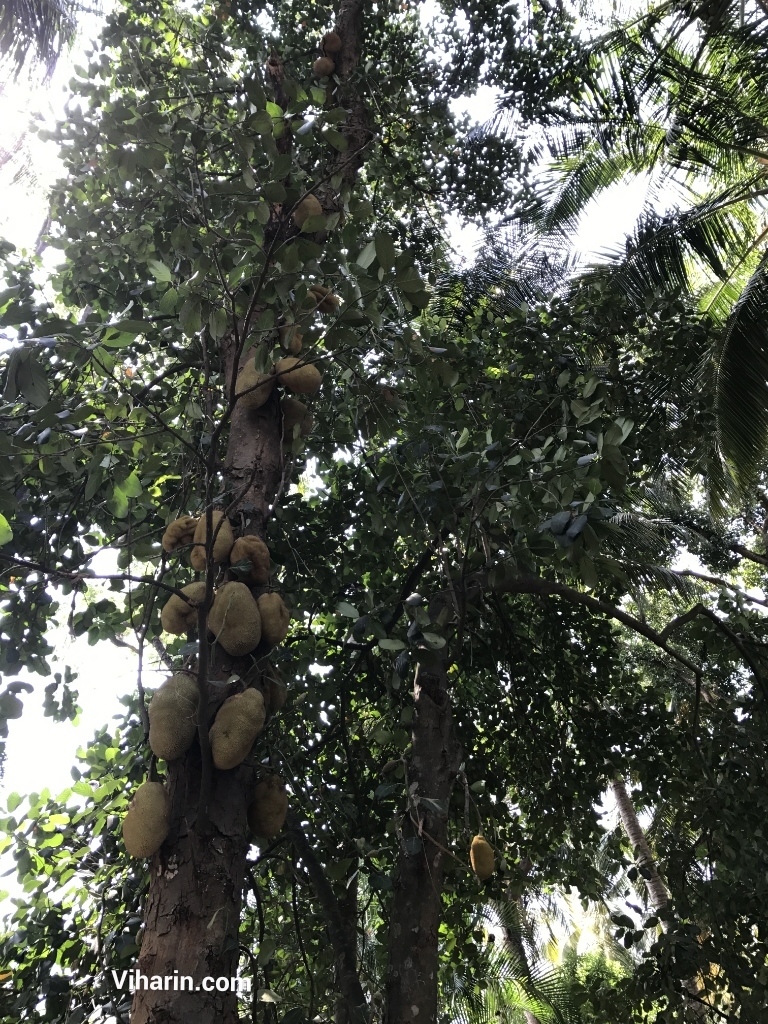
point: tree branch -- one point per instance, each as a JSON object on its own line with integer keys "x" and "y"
{"x": 346, "y": 954}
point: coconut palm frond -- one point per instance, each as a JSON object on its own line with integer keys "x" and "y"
{"x": 34, "y": 33}
{"x": 742, "y": 379}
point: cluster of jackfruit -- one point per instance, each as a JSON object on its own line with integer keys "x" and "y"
{"x": 238, "y": 722}
{"x": 188, "y": 530}
{"x": 173, "y": 716}
{"x": 268, "y": 808}
{"x": 331, "y": 45}
{"x": 148, "y": 820}
{"x": 292, "y": 372}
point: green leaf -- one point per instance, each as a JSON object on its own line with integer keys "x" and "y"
{"x": 160, "y": 271}
{"x": 189, "y": 316}
{"x": 342, "y": 608}
{"x": 335, "y": 139}
{"x": 385, "y": 251}
{"x": 14, "y": 799}
{"x": 217, "y": 323}
{"x": 117, "y": 340}
{"x": 390, "y": 644}
{"x": 131, "y": 486}
{"x": 118, "y": 503}
{"x": 32, "y": 382}
{"x": 6, "y": 533}
{"x": 588, "y": 572}
{"x": 366, "y": 256}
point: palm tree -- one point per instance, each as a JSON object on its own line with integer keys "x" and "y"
{"x": 678, "y": 94}
{"x": 34, "y": 34}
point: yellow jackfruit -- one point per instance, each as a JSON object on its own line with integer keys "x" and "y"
{"x": 179, "y": 533}
{"x": 173, "y": 716}
{"x": 323, "y": 67}
{"x": 308, "y": 207}
{"x": 254, "y": 550}
{"x": 324, "y": 299}
{"x": 267, "y": 810}
{"x": 179, "y": 617}
{"x": 304, "y": 380}
{"x": 234, "y": 619}
{"x": 238, "y": 722}
{"x": 275, "y": 618}
{"x": 331, "y": 43}
{"x": 148, "y": 820}
{"x": 222, "y": 545}
{"x": 252, "y": 388}
{"x": 482, "y": 858}
{"x": 295, "y": 412}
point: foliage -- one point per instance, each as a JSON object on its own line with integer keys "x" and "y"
{"x": 504, "y": 467}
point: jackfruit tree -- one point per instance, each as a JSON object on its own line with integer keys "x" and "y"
{"x": 400, "y": 540}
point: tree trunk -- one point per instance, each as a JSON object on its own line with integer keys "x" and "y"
{"x": 658, "y": 894}
{"x": 657, "y": 890}
{"x": 192, "y": 916}
{"x": 352, "y": 1003}
{"x": 349, "y": 915}
{"x": 416, "y": 907}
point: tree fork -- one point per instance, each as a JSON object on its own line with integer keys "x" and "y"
{"x": 416, "y": 906}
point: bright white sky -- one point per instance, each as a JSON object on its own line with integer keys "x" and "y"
{"x": 40, "y": 752}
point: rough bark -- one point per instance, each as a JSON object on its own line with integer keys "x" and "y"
{"x": 349, "y": 915}
{"x": 416, "y": 906}
{"x": 193, "y": 908}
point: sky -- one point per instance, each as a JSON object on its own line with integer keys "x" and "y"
{"x": 41, "y": 752}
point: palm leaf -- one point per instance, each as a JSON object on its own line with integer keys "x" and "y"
{"x": 35, "y": 32}
{"x": 742, "y": 379}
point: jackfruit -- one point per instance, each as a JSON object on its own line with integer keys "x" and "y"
{"x": 148, "y": 820}
{"x": 308, "y": 207}
{"x": 324, "y": 299}
{"x": 323, "y": 67}
{"x": 234, "y": 619}
{"x": 295, "y": 412}
{"x": 222, "y": 545}
{"x": 179, "y": 617}
{"x": 275, "y": 618}
{"x": 252, "y": 388}
{"x": 331, "y": 43}
{"x": 304, "y": 380}
{"x": 254, "y": 550}
{"x": 179, "y": 533}
{"x": 482, "y": 858}
{"x": 173, "y": 716}
{"x": 267, "y": 811}
{"x": 238, "y": 722}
